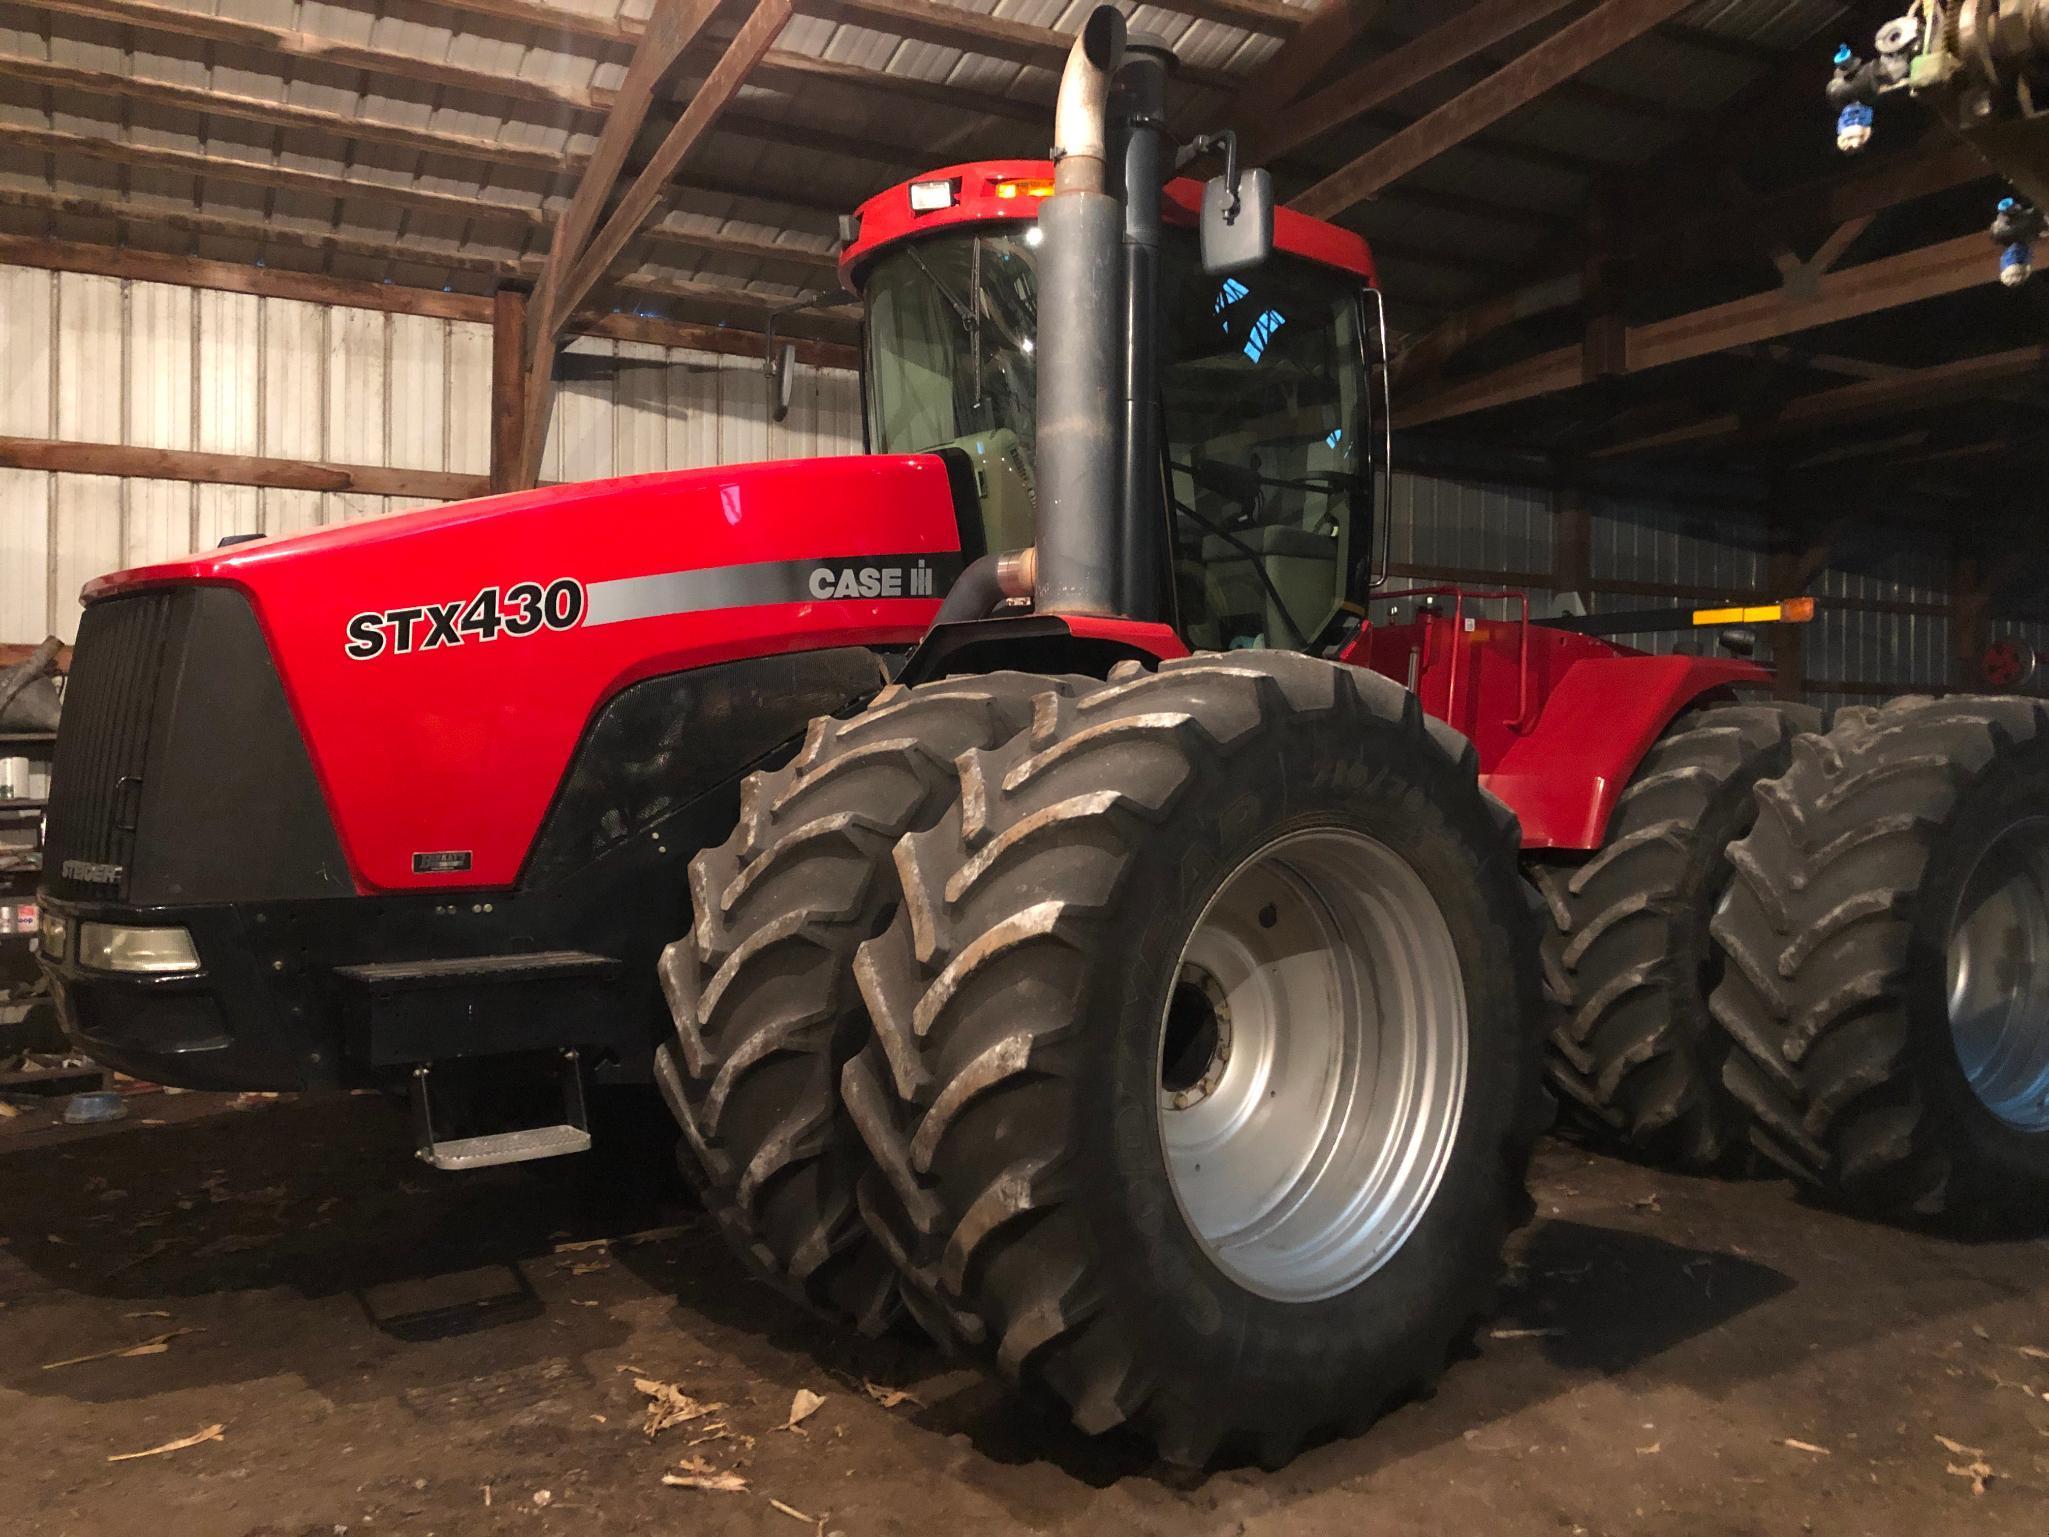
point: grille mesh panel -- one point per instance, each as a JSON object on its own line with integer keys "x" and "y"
{"x": 103, "y": 740}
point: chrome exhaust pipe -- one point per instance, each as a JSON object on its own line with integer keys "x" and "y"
{"x": 1081, "y": 112}
{"x": 1079, "y": 331}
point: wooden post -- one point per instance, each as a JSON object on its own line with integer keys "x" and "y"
{"x": 508, "y": 388}
{"x": 1970, "y": 628}
{"x": 1572, "y": 542}
{"x": 1792, "y": 565}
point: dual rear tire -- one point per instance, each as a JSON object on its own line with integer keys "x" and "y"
{"x": 1628, "y": 958}
{"x": 1191, "y": 1077}
{"x": 1888, "y": 980}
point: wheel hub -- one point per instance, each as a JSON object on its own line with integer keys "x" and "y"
{"x": 1312, "y": 1064}
{"x": 1998, "y": 973}
{"x": 1197, "y": 1047}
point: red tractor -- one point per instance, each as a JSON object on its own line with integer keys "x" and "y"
{"x": 1048, "y": 904}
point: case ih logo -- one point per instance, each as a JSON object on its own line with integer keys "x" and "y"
{"x": 521, "y": 609}
{"x": 844, "y": 581}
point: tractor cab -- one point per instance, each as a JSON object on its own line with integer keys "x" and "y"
{"x": 1265, "y": 470}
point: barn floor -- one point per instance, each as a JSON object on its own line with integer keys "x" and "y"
{"x": 392, "y": 1350}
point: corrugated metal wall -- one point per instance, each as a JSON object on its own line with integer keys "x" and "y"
{"x": 102, "y": 360}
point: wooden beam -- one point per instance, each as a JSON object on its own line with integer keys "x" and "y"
{"x": 580, "y": 270}
{"x": 1908, "y": 390}
{"x": 1426, "y": 357}
{"x": 670, "y": 29}
{"x": 793, "y": 72}
{"x": 508, "y": 386}
{"x": 531, "y": 220}
{"x": 1559, "y": 57}
{"x": 1970, "y": 617}
{"x": 712, "y": 299}
{"x": 1926, "y": 273}
{"x": 489, "y": 152}
{"x": 185, "y": 162}
{"x": 209, "y": 102}
{"x": 647, "y": 189}
{"x": 237, "y": 277}
{"x": 393, "y": 298}
{"x": 1361, "y": 90}
{"x": 977, "y": 32}
{"x": 1572, "y": 543}
{"x": 133, "y": 213}
{"x": 200, "y": 26}
{"x": 236, "y": 470}
{"x": 1330, "y": 30}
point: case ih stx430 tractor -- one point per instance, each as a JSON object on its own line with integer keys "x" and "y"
{"x": 1048, "y": 906}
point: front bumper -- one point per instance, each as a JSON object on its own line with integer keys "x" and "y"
{"x": 242, "y": 1021}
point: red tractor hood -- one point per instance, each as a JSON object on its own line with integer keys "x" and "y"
{"x": 443, "y": 664}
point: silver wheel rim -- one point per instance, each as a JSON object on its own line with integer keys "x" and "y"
{"x": 1312, "y": 1064}
{"x": 1999, "y": 976}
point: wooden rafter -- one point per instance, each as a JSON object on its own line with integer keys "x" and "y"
{"x": 465, "y": 209}
{"x": 670, "y": 30}
{"x": 637, "y": 203}
{"x": 1926, "y": 273}
{"x": 561, "y": 105}
{"x": 206, "y": 101}
{"x": 393, "y": 298}
{"x": 577, "y": 264}
{"x": 1559, "y": 57}
{"x": 1381, "y": 80}
{"x": 1702, "y": 234}
{"x": 977, "y": 32}
{"x": 236, "y": 469}
{"x": 1334, "y": 26}
{"x": 1911, "y": 389}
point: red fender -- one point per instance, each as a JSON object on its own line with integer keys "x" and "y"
{"x": 1563, "y": 776}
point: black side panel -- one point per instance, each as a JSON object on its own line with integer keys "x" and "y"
{"x": 667, "y": 740}
{"x": 231, "y": 811}
{"x": 103, "y": 743}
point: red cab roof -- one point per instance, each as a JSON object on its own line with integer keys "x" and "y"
{"x": 988, "y": 190}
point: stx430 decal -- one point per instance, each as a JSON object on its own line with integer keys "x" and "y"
{"x": 524, "y": 608}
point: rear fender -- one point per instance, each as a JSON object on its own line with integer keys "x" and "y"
{"x": 1563, "y": 777}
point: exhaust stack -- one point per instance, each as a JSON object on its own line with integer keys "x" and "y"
{"x": 1081, "y": 374}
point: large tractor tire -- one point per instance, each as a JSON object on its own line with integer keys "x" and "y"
{"x": 761, "y": 989}
{"x": 1206, "y": 1056}
{"x": 1888, "y": 943}
{"x": 1627, "y": 954}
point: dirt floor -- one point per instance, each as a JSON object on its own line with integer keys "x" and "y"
{"x": 387, "y": 1349}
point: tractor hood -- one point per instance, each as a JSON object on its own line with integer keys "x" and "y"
{"x": 442, "y": 665}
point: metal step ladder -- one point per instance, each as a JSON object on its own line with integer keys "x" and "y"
{"x": 571, "y": 1135}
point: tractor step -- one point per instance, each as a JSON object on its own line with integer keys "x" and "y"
{"x": 519, "y": 1144}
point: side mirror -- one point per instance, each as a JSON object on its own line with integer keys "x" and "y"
{"x": 782, "y": 378}
{"x": 1237, "y": 222}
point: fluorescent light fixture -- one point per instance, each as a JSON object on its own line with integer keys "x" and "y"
{"x": 151, "y": 952}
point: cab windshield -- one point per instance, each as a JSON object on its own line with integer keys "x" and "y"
{"x": 1262, "y": 383}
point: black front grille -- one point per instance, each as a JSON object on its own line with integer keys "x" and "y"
{"x": 103, "y": 743}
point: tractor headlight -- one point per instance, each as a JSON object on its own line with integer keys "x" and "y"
{"x": 932, "y": 196}
{"x": 118, "y": 947}
{"x": 54, "y": 934}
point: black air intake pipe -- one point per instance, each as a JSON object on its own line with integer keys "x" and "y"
{"x": 1140, "y": 163}
{"x": 1081, "y": 375}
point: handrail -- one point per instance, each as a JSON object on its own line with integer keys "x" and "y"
{"x": 1521, "y": 722}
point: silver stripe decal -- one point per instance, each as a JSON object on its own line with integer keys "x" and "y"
{"x": 860, "y": 577}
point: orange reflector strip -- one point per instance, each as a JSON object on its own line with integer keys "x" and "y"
{"x": 1038, "y": 187}
{"x": 1791, "y": 611}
